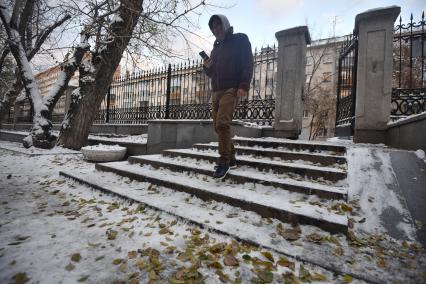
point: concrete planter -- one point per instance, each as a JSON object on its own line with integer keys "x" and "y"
{"x": 104, "y": 153}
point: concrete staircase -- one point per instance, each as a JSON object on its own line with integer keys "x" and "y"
{"x": 294, "y": 182}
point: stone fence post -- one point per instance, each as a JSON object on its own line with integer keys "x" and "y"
{"x": 375, "y": 29}
{"x": 290, "y": 81}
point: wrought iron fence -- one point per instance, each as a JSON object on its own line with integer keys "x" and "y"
{"x": 179, "y": 91}
{"x": 22, "y": 112}
{"x": 183, "y": 91}
{"x": 409, "y": 86}
{"x": 346, "y": 83}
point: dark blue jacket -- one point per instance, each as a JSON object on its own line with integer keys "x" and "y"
{"x": 232, "y": 62}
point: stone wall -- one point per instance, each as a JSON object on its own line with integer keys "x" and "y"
{"x": 124, "y": 129}
{"x": 174, "y": 134}
{"x": 409, "y": 133}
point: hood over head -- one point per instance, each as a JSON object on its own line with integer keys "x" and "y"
{"x": 225, "y": 24}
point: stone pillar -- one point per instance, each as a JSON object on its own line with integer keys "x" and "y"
{"x": 375, "y": 30}
{"x": 290, "y": 81}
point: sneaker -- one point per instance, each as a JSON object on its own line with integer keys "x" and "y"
{"x": 220, "y": 171}
{"x": 232, "y": 165}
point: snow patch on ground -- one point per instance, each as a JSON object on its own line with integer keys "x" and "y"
{"x": 46, "y": 219}
{"x": 17, "y": 147}
{"x": 138, "y": 139}
{"x": 372, "y": 181}
{"x": 58, "y": 231}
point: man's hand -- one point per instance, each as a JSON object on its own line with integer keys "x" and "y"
{"x": 241, "y": 93}
{"x": 208, "y": 63}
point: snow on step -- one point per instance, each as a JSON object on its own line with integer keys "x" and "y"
{"x": 340, "y": 149}
{"x": 256, "y": 196}
{"x": 223, "y": 218}
{"x": 288, "y": 141}
{"x": 266, "y": 161}
{"x": 279, "y": 150}
{"x": 251, "y": 174}
{"x": 307, "y": 156}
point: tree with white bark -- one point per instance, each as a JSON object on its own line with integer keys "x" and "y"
{"x": 19, "y": 24}
{"x": 107, "y": 30}
{"x": 7, "y": 66}
{"x": 133, "y": 25}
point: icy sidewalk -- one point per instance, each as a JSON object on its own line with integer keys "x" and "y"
{"x": 54, "y": 230}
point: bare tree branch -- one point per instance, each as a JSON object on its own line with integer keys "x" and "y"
{"x": 25, "y": 23}
{"x": 46, "y": 32}
{"x": 68, "y": 69}
{"x": 17, "y": 10}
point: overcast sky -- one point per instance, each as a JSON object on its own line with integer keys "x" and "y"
{"x": 260, "y": 19}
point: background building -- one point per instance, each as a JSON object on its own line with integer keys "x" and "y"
{"x": 319, "y": 114}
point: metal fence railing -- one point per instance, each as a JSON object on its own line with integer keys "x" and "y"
{"x": 178, "y": 91}
{"x": 408, "y": 76}
{"x": 346, "y": 83}
{"x": 183, "y": 91}
{"x": 24, "y": 113}
{"x": 409, "y": 82}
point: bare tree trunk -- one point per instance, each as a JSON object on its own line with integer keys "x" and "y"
{"x": 81, "y": 114}
{"x": 96, "y": 76}
{"x": 311, "y": 127}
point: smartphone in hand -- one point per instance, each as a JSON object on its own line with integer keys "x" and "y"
{"x": 203, "y": 55}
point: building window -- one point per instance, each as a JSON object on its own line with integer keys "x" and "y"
{"x": 327, "y": 59}
{"x": 257, "y": 68}
{"x": 322, "y": 132}
{"x": 326, "y": 77}
{"x": 309, "y": 60}
{"x": 305, "y": 114}
{"x": 270, "y": 66}
{"x": 308, "y": 77}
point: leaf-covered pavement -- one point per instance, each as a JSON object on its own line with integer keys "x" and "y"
{"x": 55, "y": 231}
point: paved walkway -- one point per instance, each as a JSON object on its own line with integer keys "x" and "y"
{"x": 410, "y": 174}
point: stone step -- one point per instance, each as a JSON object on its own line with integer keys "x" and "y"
{"x": 296, "y": 145}
{"x": 242, "y": 225}
{"x": 323, "y": 159}
{"x": 266, "y": 201}
{"x": 244, "y": 175}
{"x": 309, "y": 171}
